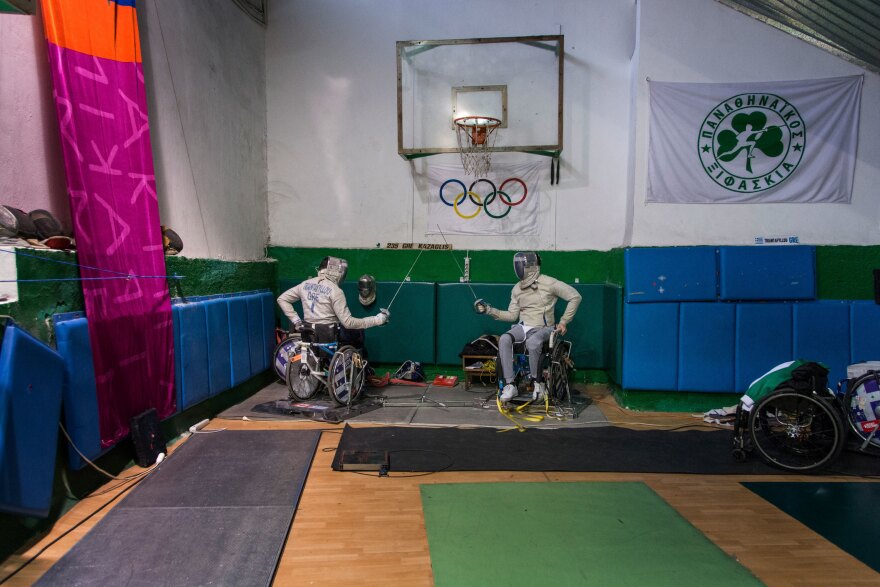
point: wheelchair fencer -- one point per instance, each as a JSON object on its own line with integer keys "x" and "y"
{"x": 325, "y": 356}
{"x": 555, "y": 364}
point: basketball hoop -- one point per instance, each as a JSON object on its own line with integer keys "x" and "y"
{"x": 476, "y": 138}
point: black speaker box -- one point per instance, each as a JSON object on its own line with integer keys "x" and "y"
{"x": 147, "y": 438}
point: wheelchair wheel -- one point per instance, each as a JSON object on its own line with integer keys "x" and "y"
{"x": 282, "y": 354}
{"x": 861, "y": 406}
{"x": 796, "y": 431}
{"x": 558, "y": 372}
{"x": 301, "y": 384}
{"x": 346, "y": 375}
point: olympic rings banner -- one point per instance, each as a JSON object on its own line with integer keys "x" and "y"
{"x": 504, "y": 202}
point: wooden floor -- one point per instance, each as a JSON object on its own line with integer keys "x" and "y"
{"x": 363, "y": 530}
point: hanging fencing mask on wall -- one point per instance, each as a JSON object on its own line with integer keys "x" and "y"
{"x": 366, "y": 289}
{"x": 527, "y": 267}
{"x": 334, "y": 268}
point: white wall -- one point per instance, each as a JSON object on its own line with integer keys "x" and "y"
{"x": 717, "y": 44}
{"x": 206, "y": 87}
{"x": 335, "y": 178}
{"x": 204, "y": 61}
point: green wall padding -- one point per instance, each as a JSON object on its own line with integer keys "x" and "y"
{"x": 846, "y": 272}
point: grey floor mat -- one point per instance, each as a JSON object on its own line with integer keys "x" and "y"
{"x": 405, "y": 405}
{"x": 217, "y": 512}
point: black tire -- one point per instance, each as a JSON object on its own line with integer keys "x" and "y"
{"x": 796, "y": 431}
{"x": 282, "y": 353}
{"x": 300, "y": 386}
{"x": 346, "y": 376}
{"x": 559, "y": 372}
{"x": 852, "y": 397}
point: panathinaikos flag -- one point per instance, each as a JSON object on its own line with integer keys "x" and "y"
{"x": 762, "y": 142}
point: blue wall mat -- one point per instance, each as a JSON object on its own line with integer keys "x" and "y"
{"x": 864, "y": 331}
{"x": 219, "y": 366}
{"x": 79, "y": 391}
{"x": 193, "y": 354}
{"x": 706, "y": 347}
{"x": 767, "y": 273}
{"x": 256, "y": 341}
{"x": 821, "y": 333}
{"x": 650, "y": 346}
{"x": 670, "y": 274}
{"x": 30, "y": 399}
{"x": 178, "y": 372}
{"x": 763, "y": 340}
{"x": 239, "y": 344}
{"x": 458, "y": 324}
{"x": 268, "y": 306}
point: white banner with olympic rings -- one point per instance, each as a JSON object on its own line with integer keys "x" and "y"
{"x": 504, "y": 202}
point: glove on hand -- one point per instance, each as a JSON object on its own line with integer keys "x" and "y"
{"x": 383, "y": 316}
{"x": 481, "y": 307}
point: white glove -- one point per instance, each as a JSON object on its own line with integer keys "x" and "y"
{"x": 481, "y": 307}
{"x": 383, "y": 316}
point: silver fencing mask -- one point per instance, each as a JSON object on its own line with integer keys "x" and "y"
{"x": 527, "y": 267}
{"x": 366, "y": 289}
{"x": 334, "y": 268}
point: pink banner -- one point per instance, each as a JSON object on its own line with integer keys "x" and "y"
{"x": 105, "y": 135}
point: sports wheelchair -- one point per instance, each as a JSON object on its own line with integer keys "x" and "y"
{"x": 323, "y": 356}
{"x": 802, "y": 425}
{"x": 556, "y": 365}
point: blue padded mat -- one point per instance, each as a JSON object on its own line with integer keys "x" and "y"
{"x": 767, "y": 273}
{"x": 268, "y": 307}
{"x": 821, "y": 333}
{"x": 193, "y": 356}
{"x": 79, "y": 391}
{"x": 219, "y": 366}
{"x": 670, "y": 274}
{"x": 256, "y": 342}
{"x": 864, "y": 329}
{"x": 31, "y": 377}
{"x": 239, "y": 341}
{"x": 763, "y": 340}
{"x": 706, "y": 347}
{"x": 650, "y": 346}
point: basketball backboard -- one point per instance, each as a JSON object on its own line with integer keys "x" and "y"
{"x": 517, "y": 80}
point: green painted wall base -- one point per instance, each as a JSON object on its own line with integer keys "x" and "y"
{"x": 673, "y": 401}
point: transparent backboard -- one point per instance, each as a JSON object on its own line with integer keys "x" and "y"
{"x": 517, "y": 80}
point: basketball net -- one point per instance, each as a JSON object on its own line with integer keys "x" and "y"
{"x": 476, "y": 137}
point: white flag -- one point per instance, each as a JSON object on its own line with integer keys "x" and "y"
{"x": 461, "y": 204}
{"x": 763, "y": 142}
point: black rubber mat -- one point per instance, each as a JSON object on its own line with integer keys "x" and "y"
{"x": 603, "y": 448}
{"x": 216, "y": 512}
{"x": 843, "y": 513}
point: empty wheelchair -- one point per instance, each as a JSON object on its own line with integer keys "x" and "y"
{"x": 803, "y": 426}
{"x": 321, "y": 359}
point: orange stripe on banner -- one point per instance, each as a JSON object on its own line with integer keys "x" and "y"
{"x": 94, "y": 27}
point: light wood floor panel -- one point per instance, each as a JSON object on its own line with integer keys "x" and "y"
{"x": 364, "y": 530}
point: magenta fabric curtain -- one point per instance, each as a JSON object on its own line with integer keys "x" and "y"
{"x": 104, "y": 127}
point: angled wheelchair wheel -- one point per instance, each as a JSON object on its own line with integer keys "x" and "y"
{"x": 346, "y": 375}
{"x": 796, "y": 431}
{"x": 558, "y": 372}
{"x": 862, "y": 405}
{"x": 285, "y": 349}
{"x": 301, "y": 384}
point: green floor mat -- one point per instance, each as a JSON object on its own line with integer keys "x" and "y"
{"x": 567, "y": 534}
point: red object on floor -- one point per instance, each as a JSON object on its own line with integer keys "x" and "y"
{"x": 446, "y": 380}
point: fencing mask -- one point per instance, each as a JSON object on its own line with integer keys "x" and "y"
{"x": 527, "y": 267}
{"x": 366, "y": 289}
